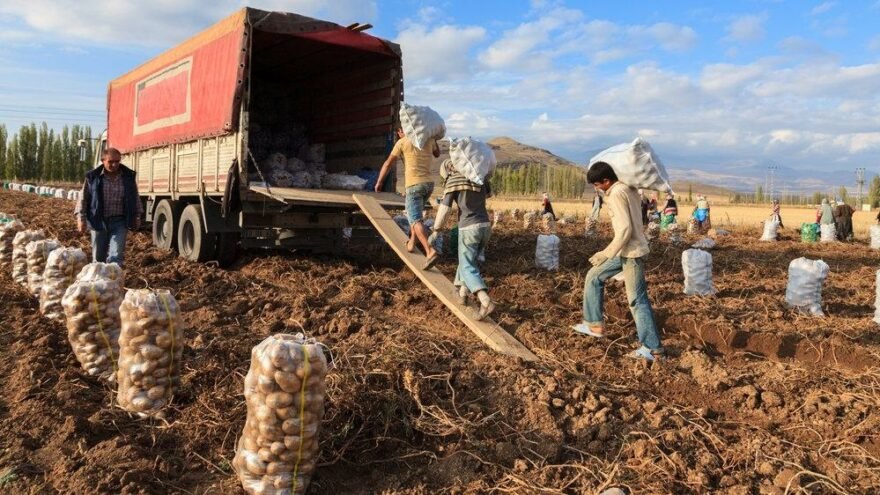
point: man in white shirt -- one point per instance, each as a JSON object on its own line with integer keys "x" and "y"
{"x": 625, "y": 254}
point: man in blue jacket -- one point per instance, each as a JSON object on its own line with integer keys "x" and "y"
{"x": 109, "y": 207}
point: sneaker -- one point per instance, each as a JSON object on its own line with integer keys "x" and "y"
{"x": 485, "y": 311}
{"x": 583, "y": 328}
{"x": 646, "y": 354}
{"x": 461, "y": 298}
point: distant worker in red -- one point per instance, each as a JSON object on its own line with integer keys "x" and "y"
{"x": 109, "y": 207}
{"x": 547, "y": 206}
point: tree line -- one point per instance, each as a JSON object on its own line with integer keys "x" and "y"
{"x": 871, "y": 196}
{"x": 528, "y": 180}
{"x": 41, "y": 154}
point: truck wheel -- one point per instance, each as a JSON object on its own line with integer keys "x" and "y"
{"x": 227, "y": 248}
{"x": 192, "y": 241}
{"x": 165, "y": 225}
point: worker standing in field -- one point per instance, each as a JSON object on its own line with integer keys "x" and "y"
{"x": 474, "y": 230}
{"x": 626, "y": 253}
{"x": 419, "y": 185}
{"x": 701, "y": 213}
{"x": 843, "y": 214}
{"x": 109, "y": 207}
{"x": 825, "y": 214}
{"x": 669, "y": 212}
{"x": 547, "y": 206}
{"x": 775, "y": 215}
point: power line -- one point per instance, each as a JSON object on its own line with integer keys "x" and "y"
{"x": 54, "y": 119}
{"x": 51, "y": 110}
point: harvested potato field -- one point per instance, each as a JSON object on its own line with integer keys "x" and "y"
{"x": 753, "y": 397}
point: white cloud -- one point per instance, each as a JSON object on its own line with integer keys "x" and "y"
{"x": 521, "y": 46}
{"x": 159, "y": 22}
{"x": 671, "y": 37}
{"x": 747, "y": 28}
{"x": 823, "y": 8}
{"x": 440, "y": 53}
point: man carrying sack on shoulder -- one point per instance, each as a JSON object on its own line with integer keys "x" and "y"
{"x": 626, "y": 253}
{"x": 474, "y": 230}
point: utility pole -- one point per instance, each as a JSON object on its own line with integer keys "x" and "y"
{"x": 860, "y": 181}
{"x": 771, "y": 176}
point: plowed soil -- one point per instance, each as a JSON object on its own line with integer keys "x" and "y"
{"x": 753, "y": 398}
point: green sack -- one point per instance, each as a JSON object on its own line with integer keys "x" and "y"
{"x": 809, "y": 232}
{"x": 666, "y": 221}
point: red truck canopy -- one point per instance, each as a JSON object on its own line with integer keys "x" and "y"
{"x": 194, "y": 89}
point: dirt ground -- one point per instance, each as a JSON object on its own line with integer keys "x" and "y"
{"x": 753, "y": 399}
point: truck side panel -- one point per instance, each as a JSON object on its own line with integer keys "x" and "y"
{"x": 198, "y": 166}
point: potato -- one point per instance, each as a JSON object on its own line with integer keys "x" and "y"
{"x": 276, "y": 431}
{"x": 149, "y": 318}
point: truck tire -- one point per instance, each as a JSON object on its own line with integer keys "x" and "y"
{"x": 165, "y": 221}
{"x": 227, "y": 248}
{"x": 192, "y": 241}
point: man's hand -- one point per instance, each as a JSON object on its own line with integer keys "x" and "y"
{"x": 81, "y": 225}
{"x": 597, "y": 259}
{"x": 378, "y": 187}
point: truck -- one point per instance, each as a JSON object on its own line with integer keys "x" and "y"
{"x": 199, "y": 122}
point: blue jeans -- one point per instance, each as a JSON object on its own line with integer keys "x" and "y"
{"x": 636, "y": 292}
{"x": 471, "y": 242}
{"x": 416, "y": 198}
{"x": 108, "y": 245}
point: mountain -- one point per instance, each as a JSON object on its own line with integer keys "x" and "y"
{"x": 510, "y": 152}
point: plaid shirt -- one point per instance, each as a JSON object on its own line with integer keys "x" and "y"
{"x": 113, "y": 198}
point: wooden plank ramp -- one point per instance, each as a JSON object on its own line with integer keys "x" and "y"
{"x": 488, "y": 331}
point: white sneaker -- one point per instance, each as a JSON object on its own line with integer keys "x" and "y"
{"x": 485, "y": 311}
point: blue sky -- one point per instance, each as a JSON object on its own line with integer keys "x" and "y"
{"x": 714, "y": 86}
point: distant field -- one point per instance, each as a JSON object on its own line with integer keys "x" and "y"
{"x": 731, "y": 215}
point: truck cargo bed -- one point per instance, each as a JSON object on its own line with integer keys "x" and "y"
{"x": 322, "y": 197}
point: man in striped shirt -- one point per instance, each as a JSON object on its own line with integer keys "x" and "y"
{"x": 110, "y": 205}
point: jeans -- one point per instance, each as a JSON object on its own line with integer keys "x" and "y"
{"x": 471, "y": 243}
{"x": 108, "y": 245}
{"x": 636, "y": 292}
{"x": 416, "y": 198}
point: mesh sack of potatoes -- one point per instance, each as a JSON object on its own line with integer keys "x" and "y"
{"x": 7, "y": 234}
{"x": 19, "y": 253}
{"x": 528, "y": 220}
{"x": 150, "y": 351}
{"x": 549, "y": 223}
{"x": 91, "y": 307}
{"x": 37, "y": 255}
{"x": 497, "y": 217}
{"x": 98, "y": 270}
{"x": 62, "y": 267}
{"x": 547, "y": 252}
{"x": 284, "y": 390}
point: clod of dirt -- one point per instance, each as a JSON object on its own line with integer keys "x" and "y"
{"x": 748, "y": 394}
{"x": 771, "y": 399}
{"x": 785, "y": 477}
{"x": 704, "y": 371}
